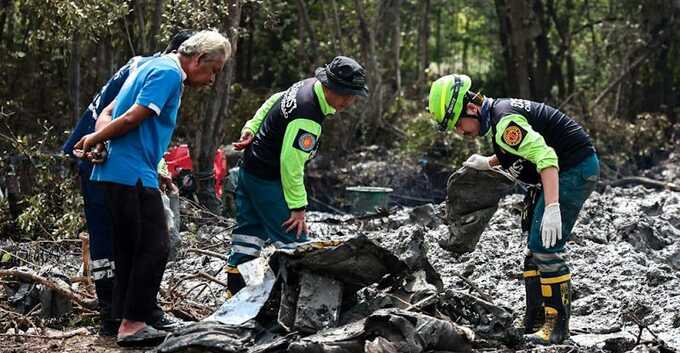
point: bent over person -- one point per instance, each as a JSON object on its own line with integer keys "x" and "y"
{"x": 144, "y": 118}
{"x": 284, "y": 133}
{"x": 96, "y": 211}
{"x": 538, "y": 145}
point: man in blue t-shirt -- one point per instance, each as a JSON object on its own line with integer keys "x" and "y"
{"x": 96, "y": 211}
{"x": 143, "y": 120}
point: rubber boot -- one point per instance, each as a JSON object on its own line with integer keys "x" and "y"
{"x": 557, "y": 301}
{"x": 534, "y": 315}
{"x": 235, "y": 281}
{"x": 108, "y": 326}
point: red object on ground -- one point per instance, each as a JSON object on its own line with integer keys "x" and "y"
{"x": 178, "y": 158}
{"x": 220, "y": 168}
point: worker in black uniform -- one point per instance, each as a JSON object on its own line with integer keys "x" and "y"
{"x": 538, "y": 145}
{"x": 279, "y": 139}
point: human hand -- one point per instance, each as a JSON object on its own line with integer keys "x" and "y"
{"x": 99, "y": 154}
{"x": 82, "y": 148}
{"x": 166, "y": 185}
{"x": 246, "y": 139}
{"x": 551, "y": 225}
{"x": 479, "y": 162}
{"x": 297, "y": 222}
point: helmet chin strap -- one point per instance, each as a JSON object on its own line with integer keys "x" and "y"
{"x": 448, "y": 113}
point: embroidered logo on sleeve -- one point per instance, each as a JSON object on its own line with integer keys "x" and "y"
{"x": 305, "y": 141}
{"x": 514, "y": 134}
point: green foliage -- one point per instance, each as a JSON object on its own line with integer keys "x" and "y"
{"x": 56, "y": 21}
{"x": 626, "y": 147}
{"x": 50, "y": 205}
{"x": 425, "y": 140}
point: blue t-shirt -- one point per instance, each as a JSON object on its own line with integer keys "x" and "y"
{"x": 156, "y": 85}
{"x": 107, "y": 93}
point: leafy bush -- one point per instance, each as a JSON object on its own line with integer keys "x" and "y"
{"x": 48, "y": 201}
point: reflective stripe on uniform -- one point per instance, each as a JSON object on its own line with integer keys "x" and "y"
{"x": 102, "y": 268}
{"x": 555, "y": 280}
{"x": 101, "y": 263}
{"x": 248, "y": 239}
{"x": 532, "y": 273}
{"x": 97, "y": 275}
{"x": 239, "y": 249}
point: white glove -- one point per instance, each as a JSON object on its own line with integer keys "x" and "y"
{"x": 479, "y": 162}
{"x": 551, "y": 226}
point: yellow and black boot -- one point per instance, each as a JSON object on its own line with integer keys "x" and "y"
{"x": 235, "y": 281}
{"x": 557, "y": 301}
{"x": 534, "y": 314}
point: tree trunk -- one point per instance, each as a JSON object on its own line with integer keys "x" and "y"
{"x": 9, "y": 37}
{"x": 518, "y": 20}
{"x": 423, "y": 36}
{"x": 541, "y": 79}
{"x": 466, "y": 47}
{"x": 128, "y": 22}
{"x": 214, "y": 109}
{"x": 336, "y": 26}
{"x": 75, "y": 76}
{"x": 659, "y": 18}
{"x": 504, "y": 28}
{"x": 306, "y": 28}
{"x": 3, "y": 18}
{"x": 139, "y": 11}
{"x": 438, "y": 39}
{"x": 395, "y": 16}
{"x": 156, "y": 26}
{"x": 108, "y": 55}
{"x": 369, "y": 117}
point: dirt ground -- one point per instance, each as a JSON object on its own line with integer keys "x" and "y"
{"x": 76, "y": 344}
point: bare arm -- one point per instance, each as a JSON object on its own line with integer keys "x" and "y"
{"x": 551, "y": 186}
{"x": 120, "y": 126}
{"x": 105, "y": 116}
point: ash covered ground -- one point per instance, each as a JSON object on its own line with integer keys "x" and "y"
{"x": 624, "y": 254}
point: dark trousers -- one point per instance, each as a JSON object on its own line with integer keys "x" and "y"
{"x": 140, "y": 248}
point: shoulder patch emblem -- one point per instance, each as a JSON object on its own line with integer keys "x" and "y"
{"x": 305, "y": 141}
{"x": 513, "y": 134}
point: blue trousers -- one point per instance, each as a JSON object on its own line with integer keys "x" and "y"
{"x": 261, "y": 210}
{"x": 98, "y": 220}
{"x": 576, "y": 184}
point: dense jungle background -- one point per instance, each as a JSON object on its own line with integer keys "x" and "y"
{"x": 612, "y": 65}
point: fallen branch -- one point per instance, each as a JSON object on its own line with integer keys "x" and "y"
{"x": 209, "y": 253}
{"x": 425, "y": 302}
{"x": 500, "y": 313}
{"x": 197, "y": 275}
{"x": 67, "y": 293}
{"x": 212, "y": 279}
{"x": 642, "y": 327}
{"x": 473, "y": 285}
{"x": 57, "y": 336}
{"x": 645, "y": 182}
{"x": 19, "y": 258}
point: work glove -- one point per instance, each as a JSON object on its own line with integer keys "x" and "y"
{"x": 479, "y": 162}
{"x": 551, "y": 225}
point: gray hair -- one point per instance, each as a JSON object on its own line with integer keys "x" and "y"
{"x": 208, "y": 42}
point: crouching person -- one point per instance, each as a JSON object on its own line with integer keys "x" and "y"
{"x": 270, "y": 194}
{"x": 537, "y": 145}
{"x": 144, "y": 118}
